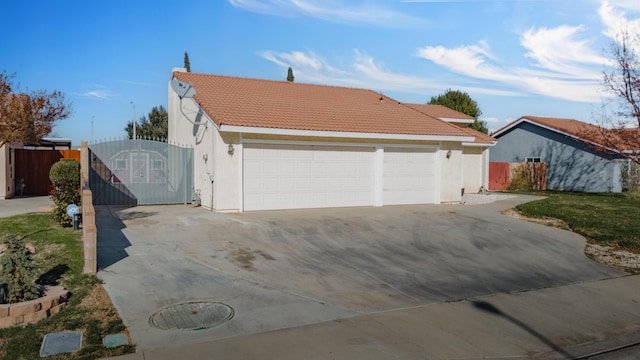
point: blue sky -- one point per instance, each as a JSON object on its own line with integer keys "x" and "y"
{"x": 513, "y": 57}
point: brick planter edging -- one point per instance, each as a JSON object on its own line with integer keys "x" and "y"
{"x": 28, "y": 312}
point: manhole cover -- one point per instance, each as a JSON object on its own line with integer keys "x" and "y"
{"x": 191, "y": 315}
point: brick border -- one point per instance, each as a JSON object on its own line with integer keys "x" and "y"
{"x": 28, "y": 312}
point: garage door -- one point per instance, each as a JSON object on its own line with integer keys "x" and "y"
{"x": 409, "y": 176}
{"x": 302, "y": 176}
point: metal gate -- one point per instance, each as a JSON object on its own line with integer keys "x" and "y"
{"x": 140, "y": 172}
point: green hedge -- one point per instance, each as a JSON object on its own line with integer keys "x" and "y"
{"x": 65, "y": 176}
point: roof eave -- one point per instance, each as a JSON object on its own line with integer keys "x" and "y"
{"x": 457, "y": 120}
{"x": 341, "y": 134}
{"x": 475, "y": 144}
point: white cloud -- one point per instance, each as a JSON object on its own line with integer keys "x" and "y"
{"x": 363, "y": 72}
{"x": 557, "y": 49}
{"x": 490, "y": 120}
{"x": 617, "y": 21}
{"x": 99, "y": 92}
{"x": 330, "y": 10}
{"x": 563, "y": 66}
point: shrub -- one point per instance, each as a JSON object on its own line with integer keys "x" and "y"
{"x": 65, "y": 176}
{"x": 521, "y": 178}
{"x": 18, "y": 271}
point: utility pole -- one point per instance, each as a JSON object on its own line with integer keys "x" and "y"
{"x": 92, "y": 116}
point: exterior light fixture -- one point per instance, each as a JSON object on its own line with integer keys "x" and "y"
{"x": 448, "y": 154}
{"x": 231, "y": 150}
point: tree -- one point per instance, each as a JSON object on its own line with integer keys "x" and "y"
{"x": 290, "y": 76}
{"x": 156, "y": 126}
{"x": 27, "y": 118}
{"x": 462, "y": 102}
{"x": 18, "y": 271}
{"x": 187, "y": 64}
{"x": 620, "y": 133}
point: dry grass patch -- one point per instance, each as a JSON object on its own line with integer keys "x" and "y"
{"x": 611, "y": 256}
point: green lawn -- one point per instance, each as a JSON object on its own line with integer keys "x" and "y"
{"x": 59, "y": 256}
{"x": 611, "y": 219}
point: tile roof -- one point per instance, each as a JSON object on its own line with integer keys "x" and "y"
{"x": 481, "y": 138}
{"x": 235, "y": 101}
{"x": 441, "y": 112}
{"x": 576, "y": 128}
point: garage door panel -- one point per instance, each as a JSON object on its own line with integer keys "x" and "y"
{"x": 409, "y": 176}
{"x": 304, "y": 176}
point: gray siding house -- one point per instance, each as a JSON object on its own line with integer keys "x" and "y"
{"x": 573, "y": 162}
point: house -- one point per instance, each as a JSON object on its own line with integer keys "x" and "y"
{"x": 263, "y": 145}
{"x": 576, "y": 158}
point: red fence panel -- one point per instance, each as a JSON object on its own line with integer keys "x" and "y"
{"x": 498, "y": 175}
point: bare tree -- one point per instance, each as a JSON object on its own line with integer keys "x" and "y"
{"x": 619, "y": 131}
{"x": 27, "y": 118}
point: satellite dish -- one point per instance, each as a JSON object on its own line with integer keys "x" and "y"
{"x": 183, "y": 90}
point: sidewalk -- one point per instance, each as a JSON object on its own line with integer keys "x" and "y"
{"x": 555, "y": 323}
{"x": 25, "y": 205}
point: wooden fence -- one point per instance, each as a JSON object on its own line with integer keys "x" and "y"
{"x": 501, "y": 174}
{"x": 32, "y": 169}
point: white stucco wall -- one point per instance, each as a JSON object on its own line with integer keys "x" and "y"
{"x": 451, "y": 172}
{"x": 473, "y": 168}
{"x": 7, "y": 184}
{"x": 182, "y": 131}
{"x": 227, "y": 172}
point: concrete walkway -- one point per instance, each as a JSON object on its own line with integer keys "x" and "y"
{"x": 25, "y": 205}
{"x": 564, "y": 322}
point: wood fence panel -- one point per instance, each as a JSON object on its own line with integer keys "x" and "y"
{"x": 33, "y": 166}
{"x": 539, "y": 175}
{"x": 498, "y": 175}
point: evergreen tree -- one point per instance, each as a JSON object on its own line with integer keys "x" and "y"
{"x": 187, "y": 64}
{"x": 155, "y": 126}
{"x": 18, "y": 271}
{"x": 290, "y": 76}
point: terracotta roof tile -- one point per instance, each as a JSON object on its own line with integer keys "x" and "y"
{"x": 236, "y": 101}
{"x": 481, "y": 138}
{"x": 441, "y": 112}
{"x": 579, "y": 129}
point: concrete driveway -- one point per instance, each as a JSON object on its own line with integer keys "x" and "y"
{"x": 282, "y": 269}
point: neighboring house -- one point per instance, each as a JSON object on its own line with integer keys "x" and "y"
{"x": 261, "y": 145}
{"x": 575, "y": 161}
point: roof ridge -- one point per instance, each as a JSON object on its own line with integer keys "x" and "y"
{"x": 282, "y": 82}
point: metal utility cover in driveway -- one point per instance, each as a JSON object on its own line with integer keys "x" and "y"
{"x": 62, "y": 342}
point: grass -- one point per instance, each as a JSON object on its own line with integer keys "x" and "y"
{"x": 59, "y": 256}
{"x": 608, "y": 219}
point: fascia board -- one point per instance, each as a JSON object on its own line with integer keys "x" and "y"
{"x": 341, "y": 134}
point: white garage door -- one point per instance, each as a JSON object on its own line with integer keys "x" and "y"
{"x": 303, "y": 176}
{"x": 409, "y": 176}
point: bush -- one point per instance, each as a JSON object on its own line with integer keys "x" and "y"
{"x": 18, "y": 271}
{"x": 65, "y": 176}
{"x": 521, "y": 178}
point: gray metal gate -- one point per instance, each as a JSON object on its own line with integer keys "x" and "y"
{"x": 140, "y": 172}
